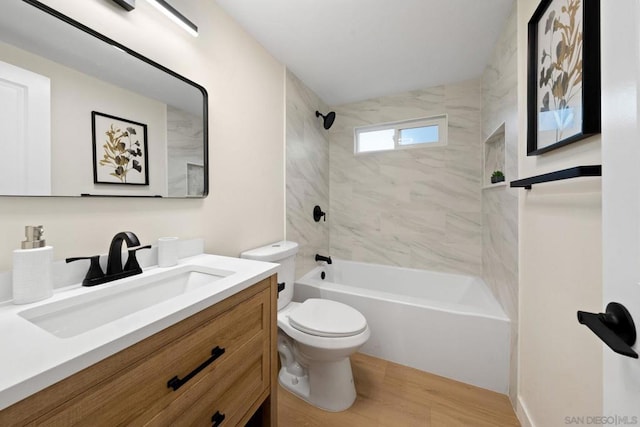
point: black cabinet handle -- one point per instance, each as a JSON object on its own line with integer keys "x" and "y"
{"x": 217, "y": 419}
{"x": 175, "y": 382}
{"x": 615, "y": 327}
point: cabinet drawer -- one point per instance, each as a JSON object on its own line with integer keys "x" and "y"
{"x": 228, "y": 390}
{"x": 140, "y": 391}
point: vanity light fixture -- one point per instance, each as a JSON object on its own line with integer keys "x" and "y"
{"x": 119, "y": 49}
{"x": 127, "y": 5}
{"x": 175, "y": 16}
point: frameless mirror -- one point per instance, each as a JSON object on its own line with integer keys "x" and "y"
{"x": 82, "y": 115}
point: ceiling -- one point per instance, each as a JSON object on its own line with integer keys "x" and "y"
{"x": 350, "y": 50}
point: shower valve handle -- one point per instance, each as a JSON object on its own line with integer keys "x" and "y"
{"x": 317, "y": 214}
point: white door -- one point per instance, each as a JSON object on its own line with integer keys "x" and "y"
{"x": 25, "y": 134}
{"x": 620, "y": 26}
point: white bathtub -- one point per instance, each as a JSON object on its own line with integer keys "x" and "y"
{"x": 446, "y": 324}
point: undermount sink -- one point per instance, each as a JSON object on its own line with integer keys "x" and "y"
{"x": 74, "y": 315}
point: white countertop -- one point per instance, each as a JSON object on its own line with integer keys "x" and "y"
{"x": 32, "y": 359}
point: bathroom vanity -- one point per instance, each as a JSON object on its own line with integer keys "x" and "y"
{"x": 200, "y": 363}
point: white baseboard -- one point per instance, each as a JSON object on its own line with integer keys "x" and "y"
{"x": 523, "y": 414}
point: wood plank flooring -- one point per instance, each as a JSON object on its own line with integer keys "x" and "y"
{"x": 396, "y": 396}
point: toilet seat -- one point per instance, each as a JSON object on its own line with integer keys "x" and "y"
{"x": 314, "y": 340}
{"x": 327, "y": 318}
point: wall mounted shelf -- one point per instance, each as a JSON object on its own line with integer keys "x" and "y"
{"x": 494, "y": 155}
{"x": 498, "y": 184}
{"x": 574, "y": 172}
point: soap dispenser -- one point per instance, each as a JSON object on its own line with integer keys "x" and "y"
{"x": 32, "y": 264}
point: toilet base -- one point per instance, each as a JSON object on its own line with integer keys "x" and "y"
{"x": 326, "y": 385}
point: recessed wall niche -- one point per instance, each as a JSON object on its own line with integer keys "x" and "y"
{"x": 494, "y": 155}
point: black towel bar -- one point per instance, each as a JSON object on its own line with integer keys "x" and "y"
{"x": 574, "y": 172}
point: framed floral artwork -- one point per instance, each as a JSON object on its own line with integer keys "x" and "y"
{"x": 563, "y": 82}
{"x": 120, "y": 154}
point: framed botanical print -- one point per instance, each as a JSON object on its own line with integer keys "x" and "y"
{"x": 120, "y": 154}
{"x": 563, "y": 82}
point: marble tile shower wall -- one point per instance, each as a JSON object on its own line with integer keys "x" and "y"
{"x": 185, "y": 132}
{"x": 417, "y": 208}
{"x": 307, "y": 173}
{"x": 500, "y": 205}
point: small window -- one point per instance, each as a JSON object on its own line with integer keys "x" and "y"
{"x": 393, "y": 136}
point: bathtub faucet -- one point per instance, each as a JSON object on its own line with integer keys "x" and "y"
{"x": 326, "y": 259}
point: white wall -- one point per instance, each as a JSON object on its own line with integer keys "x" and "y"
{"x": 560, "y": 361}
{"x": 245, "y": 207}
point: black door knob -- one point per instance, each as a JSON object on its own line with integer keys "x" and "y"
{"x": 615, "y": 327}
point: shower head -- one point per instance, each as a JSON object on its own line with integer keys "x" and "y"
{"x": 328, "y": 119}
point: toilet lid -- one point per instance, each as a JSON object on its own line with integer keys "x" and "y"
{"x": 326, "y": 318}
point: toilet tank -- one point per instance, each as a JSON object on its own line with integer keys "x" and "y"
{"x": 283, "y": 253}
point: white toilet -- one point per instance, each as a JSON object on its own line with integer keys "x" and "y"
{"x": 315, "y": 338}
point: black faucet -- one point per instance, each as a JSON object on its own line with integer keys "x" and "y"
{"x": 115, "y": 271}
{"x": 114, "y": 260}
{"x": 326, "y": 259}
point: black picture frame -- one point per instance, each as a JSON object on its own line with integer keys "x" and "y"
{"x": 119, "y": 149}
{"x": 570, "y": 99}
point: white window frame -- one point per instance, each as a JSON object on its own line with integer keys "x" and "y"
{"x": 441, "y": 121}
